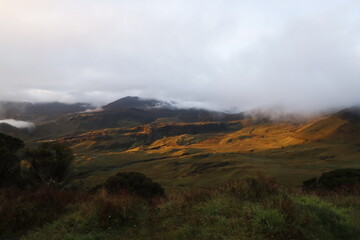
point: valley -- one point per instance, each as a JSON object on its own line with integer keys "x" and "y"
{"x": 194, "y": 148}
{"x": 179, "y": 120}
{"x": 137, "y": 168}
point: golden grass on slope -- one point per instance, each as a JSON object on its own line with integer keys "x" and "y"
{"x": 290, "y": 152}
{"x": 320, "y": 129}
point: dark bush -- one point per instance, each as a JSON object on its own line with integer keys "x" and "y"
{"x": 11, "y": 143}
{"x": 50, "y": 163}
{"x": 340, "y": 178}
{"x": 9, "y": 160}
{"x": 23, "y": 210}
{"x": 334, "y": 180}
{"x": 310, "y": 184}
{"x": 134, "y": 183}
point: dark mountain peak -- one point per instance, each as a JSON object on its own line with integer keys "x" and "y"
{"x": 135, "y": 98}
{"x": 135, "y": 102}
{"x": 352, "y": 114}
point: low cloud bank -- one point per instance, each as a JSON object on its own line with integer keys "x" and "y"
{"x": 233, "y": 55}
{"x": 18, "y": 123}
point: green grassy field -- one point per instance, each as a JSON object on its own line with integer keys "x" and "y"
{"x": 193, "y": 168}
{"x": 253, "y": 209}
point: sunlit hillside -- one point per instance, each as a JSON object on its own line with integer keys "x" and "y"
{"x": 187, "y": 155}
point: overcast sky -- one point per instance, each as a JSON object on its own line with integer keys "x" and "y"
{"x": 231, "y": 54}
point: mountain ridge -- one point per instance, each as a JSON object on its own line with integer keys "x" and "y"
{"x": 135, "y": 102}
{"x": 198, "y": 147}
{"x": 32, "y": 111}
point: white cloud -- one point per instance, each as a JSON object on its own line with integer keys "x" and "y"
{"x": 303, "y": 55}
{"x": 18, "y": 124}
{"x": 38, "y": 95}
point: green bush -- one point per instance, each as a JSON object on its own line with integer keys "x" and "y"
{"x": 269, "y": 222}
{"x": 134, "y": 183}
{"x": 324, "y": 219}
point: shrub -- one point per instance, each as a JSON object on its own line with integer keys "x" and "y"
{"x": 268, "y": 222}
{"x": 9, "y": 161}
{"x": 134, "y": 183}
{"x": 23, "y": 210}
{"x": 340, "y": 178}
{"x": 255, "y": 188}
{"x": 50, "y": 163}
{"x": 112, "y": 210}
{"x": 11, "y": 143}
{"x": 310, "y": 184}
{"x": 324, "y": 219}
{"x": 337, "y": 179}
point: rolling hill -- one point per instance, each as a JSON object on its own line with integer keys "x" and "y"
{"x": 28, "y": 111}
{"x": 201, "y": 154}
{"x": 125, "y": 112}
{"x": 186, "y": 148}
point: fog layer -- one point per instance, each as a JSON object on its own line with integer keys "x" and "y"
{"x": 233, "y": 55}
{"x": 18, "y": 123}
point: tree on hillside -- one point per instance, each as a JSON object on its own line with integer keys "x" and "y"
{"x": 9, "y": 160}
{"x": 340, "y": 178}
{"x": 335, "y": 180}
{"x": 50, "y": 163}
{"x": 11, "y": 143}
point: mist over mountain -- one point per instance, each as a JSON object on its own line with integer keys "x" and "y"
{"x": 135, "y": 102}
{"x": 224, "y": 55}
{"x": 33, "y": 111}
{"x": 53, "y": 120}
{"x": 18, "y": 124}
{"x": 179, "y": 119}
{"x": 47, "y": 120}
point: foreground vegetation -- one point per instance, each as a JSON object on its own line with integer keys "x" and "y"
{"x": 38, "y": 201}
{"x": 257, "y": 208}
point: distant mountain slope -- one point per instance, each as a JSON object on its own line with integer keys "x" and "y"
{"x": 13, "y": 131}
{"x": 125, "y": 112}
{"x": 125, "y": 138}
{"x": 135, "y": 102}
{"x": 246, "y": 135}
{"x": 35, "y": 111}
{"x": 343, "y": 126}
{"x": 53, "y": 121}
{"x": 204, "y": 153}
{"x": 125, "y": 118}
{"x": 188, "y": 147}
